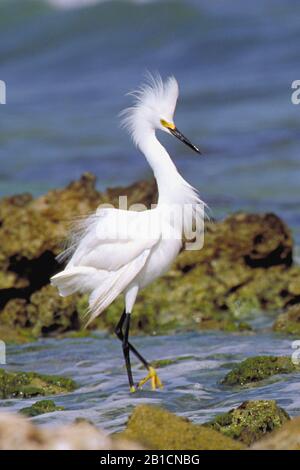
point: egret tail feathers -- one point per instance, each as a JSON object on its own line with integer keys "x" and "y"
{"x": 114, "y": 284}
{"x": 77, "y": 279}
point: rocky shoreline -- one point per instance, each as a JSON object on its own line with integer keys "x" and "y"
{"x": 246, "y": 268}
{"x": 250, "y": 425}
{"x": 259, "y": 424}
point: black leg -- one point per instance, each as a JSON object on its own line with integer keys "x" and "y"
{"x": 120, "y": 335}
{"x": 122, "y": 332}
{"x": 118, "y": 330}
{"x": 126, "y": 349}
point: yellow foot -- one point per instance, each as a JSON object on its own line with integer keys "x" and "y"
{"x": 155, "y": 380}
{"x": 132, "y": 389}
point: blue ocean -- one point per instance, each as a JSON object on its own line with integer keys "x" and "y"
{"x": 68, "y": 65}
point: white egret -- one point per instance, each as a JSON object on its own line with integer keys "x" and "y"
{"x": 105, "y": 262}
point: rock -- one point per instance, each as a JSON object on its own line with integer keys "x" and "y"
{"x": 141, "y": 192}
{"x": 15, "y": 335}
{"x": 50, "y": 314}
{"x": 238, "y": 272}
{"x": 45, "y": 314}
{"x": 286, "y": 438}
{"x": 40, "y": 407}
{"x": 14, "y": 313}
{"x": 255, "y": 369}
{"x": 289, "y": 321}
{"x": 32, "y": 233}
{"x": 158, "y": 429}
{"x": 244, "y": 267}
{"x": 32, "y": 230}
{"x": 31, "y": 384}
{"x": 256, "y": 240}
{"x": 81, "y": 419}
{"x": 159, "y": 363}
{"x": 250, "y": 421}
{"x": 18, "y": 433}
{"x": 172, "y": 304}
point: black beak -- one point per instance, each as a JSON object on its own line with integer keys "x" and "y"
{"x": 183, "y": 139}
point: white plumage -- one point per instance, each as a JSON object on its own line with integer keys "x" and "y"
{"x": 119, "y": 251}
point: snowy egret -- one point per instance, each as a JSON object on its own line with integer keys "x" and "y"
{"x": 106, "y": 262}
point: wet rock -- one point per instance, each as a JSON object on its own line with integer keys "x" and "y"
{"x": 31, "y": 384}
{"x": 156, "y": 428}
{"x": 50, "y": 314}
{"x": 289, "y": 321}
{"x": 255, "y": 369}
{"x": 32, "y": 230}
{"x": 15, "y": 335}
{"x": 45, "y": 314}
{"x": 14, "y": 313}
{"x": 13, "y": 322}
{"x": 32, "y": 233}
{"x": 174, "y": 303}
{"x": 18, "y": 433}
{"x": 286, "y": 438}
{"x": 141, "y": 192}
{"x": 244, "y": 267}
{"x": 251, "y": 421}
{"x": 40, "y": 407}
{"x": 256, "y": 240}
{"x": 160, "y": 363}
{"x": 81, "y": 419}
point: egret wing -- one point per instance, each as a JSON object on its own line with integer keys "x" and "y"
{"x": 113, "y": 238}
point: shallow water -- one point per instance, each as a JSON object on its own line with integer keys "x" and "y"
{"x": 192, "y": 386}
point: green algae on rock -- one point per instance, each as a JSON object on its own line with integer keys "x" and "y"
{"x": 289, "y": 321}
{"x": 40, "y": 407}
{"x": 239, "y": 271}
{"x": 244, "y": 267}
{"x": 159, "y": 363}
{"x": 32, "y": 232}
{"x": 173, "y": 303}
{"x": 158, "y": 429}
{"x": 31, "y": 384}
{"x": 251, "y": 421}
{"x": 15, "y": 335}
{"x": 257, "y": 368}
{"x": 46, "y": 314}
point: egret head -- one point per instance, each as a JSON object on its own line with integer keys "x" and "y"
{"x": 154, "y": 108}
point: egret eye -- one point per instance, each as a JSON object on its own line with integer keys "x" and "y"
{"x": 166, "y": 124}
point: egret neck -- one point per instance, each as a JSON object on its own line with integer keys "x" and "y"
{"x": 171, "y": 186}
